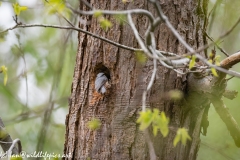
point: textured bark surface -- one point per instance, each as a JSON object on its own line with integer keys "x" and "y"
{"x": 119, "y": 136}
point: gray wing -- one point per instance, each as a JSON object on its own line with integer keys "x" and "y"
{"x": 100, "y": 82}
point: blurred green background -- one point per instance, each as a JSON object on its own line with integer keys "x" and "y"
{"x": 40, "y": 64}
{"x": 218, "y": 144}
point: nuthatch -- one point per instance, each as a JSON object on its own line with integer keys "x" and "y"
{"x": 100, "y": 81}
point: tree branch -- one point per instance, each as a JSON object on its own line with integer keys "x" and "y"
{"x": 228, "y": 119}
{"x": 230, "y": 61}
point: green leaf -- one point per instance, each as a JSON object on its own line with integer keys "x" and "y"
{"x": 57, "y": 6}
{"x": 214, "y": 72}
{"x": 16, "y": 157}
{"x": 182, "y": 135}
{"x": 145, "y": 119}
{"x": 175, "y": 94}
{"x": 4, "y": 70}
{"x": 105, "y": 24}
{"x": 155, "y": 130}
{"x": 164, "y": 124}
{"x": 17, "y": 8}
{"x": 217, "y": 60}
{"x": 94, "y": 124}
{"x": 192, "y": 62}
{"x": 141, "y": 57}
{"x": 97, "y": 13}
{"x": 176, "y": 140}
{"x": 160, "y": 122}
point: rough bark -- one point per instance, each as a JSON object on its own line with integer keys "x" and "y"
{"x": 119, "y": 136}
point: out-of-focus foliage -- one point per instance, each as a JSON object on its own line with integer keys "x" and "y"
{"x": 40, "y": 64}
{"x": 94, "y": 124}
{"x": 192, "y": 62}
{"x": 182, "y": 136}
{"x": 218, "y": 144}
{"x": 18, "y": 9}
{"x": 158, "y": 120}
{"x": 3, "y": 70}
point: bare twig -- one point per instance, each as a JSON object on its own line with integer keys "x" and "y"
{"x": 87, "y": 4}
{"x": 108, "y": 12}
{"x": 224, "y": 52}
{"x": 213, "y": 13}
{"x": 150, "y": 145}
{"x": 170, "y": 26}
{"x": 140, "y": 42}
{"x": 73, "y": 28}
{"x": 15, "y": 141}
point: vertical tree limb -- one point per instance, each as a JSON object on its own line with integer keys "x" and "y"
{"x": 228, "y": 119}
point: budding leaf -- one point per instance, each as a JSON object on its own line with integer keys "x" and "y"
{"x": 4, "y": 70}
{"x": 105, "y": 24}
{"x": 17, "y": 8}
{"x": 141, "y": 57}
{"x": 57, "y": 6}
{"x": 182, "y": 135}
{"x": 145, "y": 119}
{"x": 16, "y": 157}
{"x": 175, "y": 94}
{"x": 164, "y": 124}
{"x": 94, "y": 124}
{"x": 97, "y": 13}
{"x": 217, "y": 60}
{"x": 192, "y": 62}
{"x": 214, "y": 72}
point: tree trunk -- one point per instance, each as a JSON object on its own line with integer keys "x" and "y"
{"x": 119, "y": 136}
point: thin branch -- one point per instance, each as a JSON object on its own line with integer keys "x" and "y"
{"x": 213, "y": 13}
{"x": 190, "y": 49}
{"x": 218, "y": 39}
{"x": 73, "y": 28}
{"x": 217, "y": 150}
{"x": 15, "y": 141}
{"x": 230, "y": 30}
{"x": 170, "y": 26}
{"x": 140, "y": 42}
{"x": 224, "y": 52}
{"x": 25, "y": 70}
{"x": 109, "y": 12}
{"x": 87, "y": 4}
{"x": 150, "y": 145}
